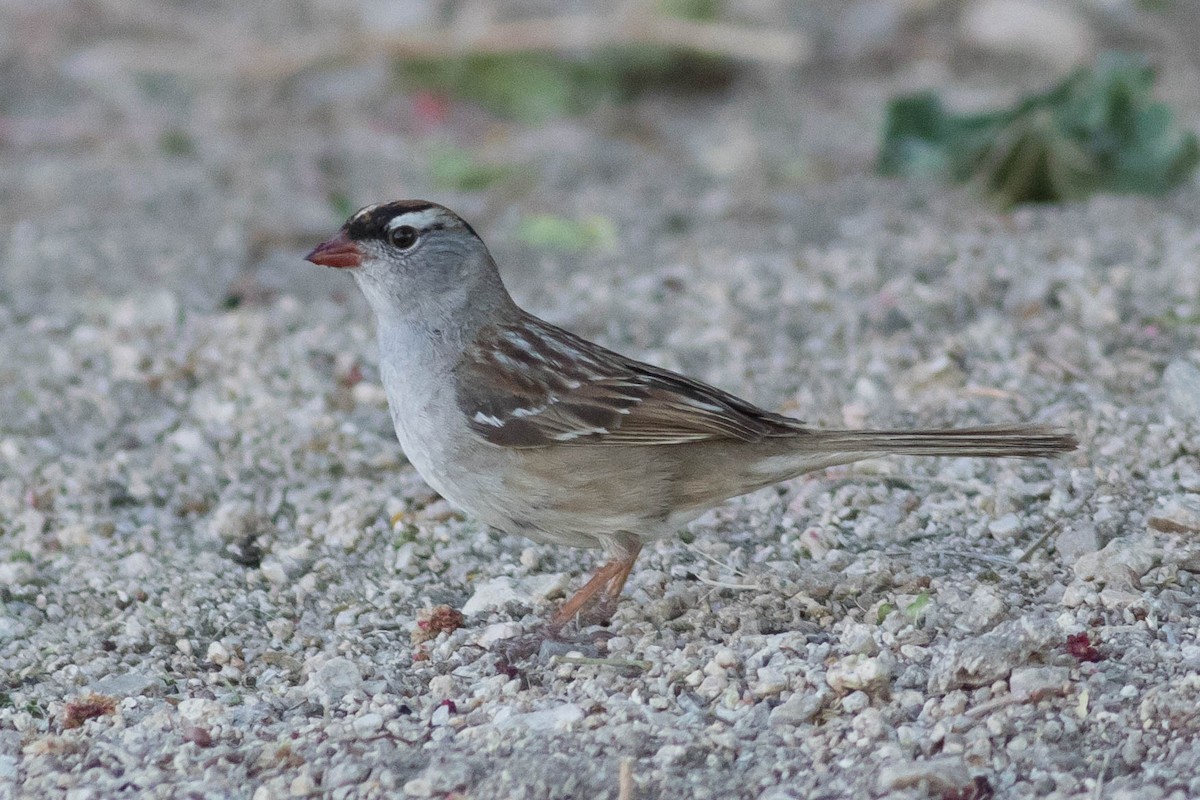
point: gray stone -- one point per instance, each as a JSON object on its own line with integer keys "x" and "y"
{"x": 798, "y": 709}
{"x": 347, "y": 773}
{"x": 1178, "y": 513}
{"x": 1029, "y": 28}
{"x": 1120, "y": 564}
{"x": 129, "y": 684}
{"x": 1076, "y": 540}
{"x": 1029, "y": 683}
{"x": 492, "y": 594}
{"x": 335, "y": 679}
{"x": 498, "y": 592}
{"x": 939, "y": 775}
{"x": 367, "y": 724}
{"x": 1181, "y": 386}
{"x": 858, "y": 672}
{"x": 980, "y": 660}
{"x": 984, "y": 610}
{"x": 546, "y": 720}
{"x": 1005, "y": 528}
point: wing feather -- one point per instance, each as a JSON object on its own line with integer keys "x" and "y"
{"x": 530, "y": 384}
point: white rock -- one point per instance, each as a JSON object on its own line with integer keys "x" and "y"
{"x": 441, "y": 686}
{"x": 1078, "y": 593}
{"x": 14, "y": 572}
{"x": 136, "y": 565}
{"x": 543, "y": 585}
{"x": 983, "y": 610}
{"x": 31, "y": 523}
{"x": 1118, "y": 598}
{"x": 1005, "y": 528}
{"x": 1029, "y": 28}
{"x": 855, "y": 702}
{"x": 273, "y": 571}
{"x": 769, "y": 682}
{"x": 1028, "y": 683}
{"x": 195, "y": 709}
{"x": 334, "y": 678}
{"x": 367, "y": 724}
{"x": 495, "y": 593}
{"x": 234, "y": 519}
{"x": 192, "y": 442}
{"x": 281, "y": 629}
{"x": 800, "y": 708}
{"x": 1178, "y": 513}
{"x": 491, "y": 594}
{"x": 670, "y": 754}
{"x": 497, "y": 631}
{"x": 726, "y": 658}
{"x": 929, "y": 376}
{"x": 419, "y": 787}
{"x": 130, "y": 684}
{"x": 980, "y": 660}
{"x": 11, "y": 628}
{"x": 440, "y": 716}
{"x": 287, "y": 566}
{"x": 1078, "y": 540}
{"x": 857, "y": 672}
{"x": 1181, "y": 385}
{"x": 938, "y": 775}
{"x": 369, "y": 394}
{"x": 157, "y": 309}
{"x": 547, "y": 720}
{"x": 859, "y": 638}
{"x": 712, "y": 685}
{"x": 217, "y": 653}
{"x": 1120, "y": 564}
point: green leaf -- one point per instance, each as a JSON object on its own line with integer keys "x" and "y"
{"x": 1100, "y": 130}
{"x": 548, "y": 232}
{"x": 533, "y": 87}
{"x": 454, "y": 168}
{"x": 530, "y": 87}
{"x": 914, "y": 609}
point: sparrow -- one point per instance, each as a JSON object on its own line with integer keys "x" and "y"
{"x": 541, "y": 433}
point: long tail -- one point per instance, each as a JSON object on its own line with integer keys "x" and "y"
{"x": 1019, "y": 441}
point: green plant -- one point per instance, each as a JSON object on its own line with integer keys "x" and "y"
{"x": 1100, "y": 130}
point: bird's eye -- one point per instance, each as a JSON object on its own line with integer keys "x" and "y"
{"x": 403, "y": 236}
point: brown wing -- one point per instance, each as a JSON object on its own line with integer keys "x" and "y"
{"x": 531, "y": 384}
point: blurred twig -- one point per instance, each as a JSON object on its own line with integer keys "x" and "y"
{"x": 633, "y": 26}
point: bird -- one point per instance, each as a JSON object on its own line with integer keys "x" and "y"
{"x": 538, "y": 432}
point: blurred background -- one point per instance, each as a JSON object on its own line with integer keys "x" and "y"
{"x": 885, "y": 213}
{"x": 203, "y": 146}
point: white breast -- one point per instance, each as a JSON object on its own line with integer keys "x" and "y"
{"x": 433, "y": 431}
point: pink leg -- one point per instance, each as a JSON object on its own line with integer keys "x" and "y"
{"x": 608, "y": 581}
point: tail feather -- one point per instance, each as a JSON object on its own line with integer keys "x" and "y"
{"x": 1003, "y": 441}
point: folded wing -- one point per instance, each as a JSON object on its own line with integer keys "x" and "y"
{"x": 534, "y": 385}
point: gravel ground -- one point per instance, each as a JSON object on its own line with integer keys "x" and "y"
{"x": 221, "y": 579}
